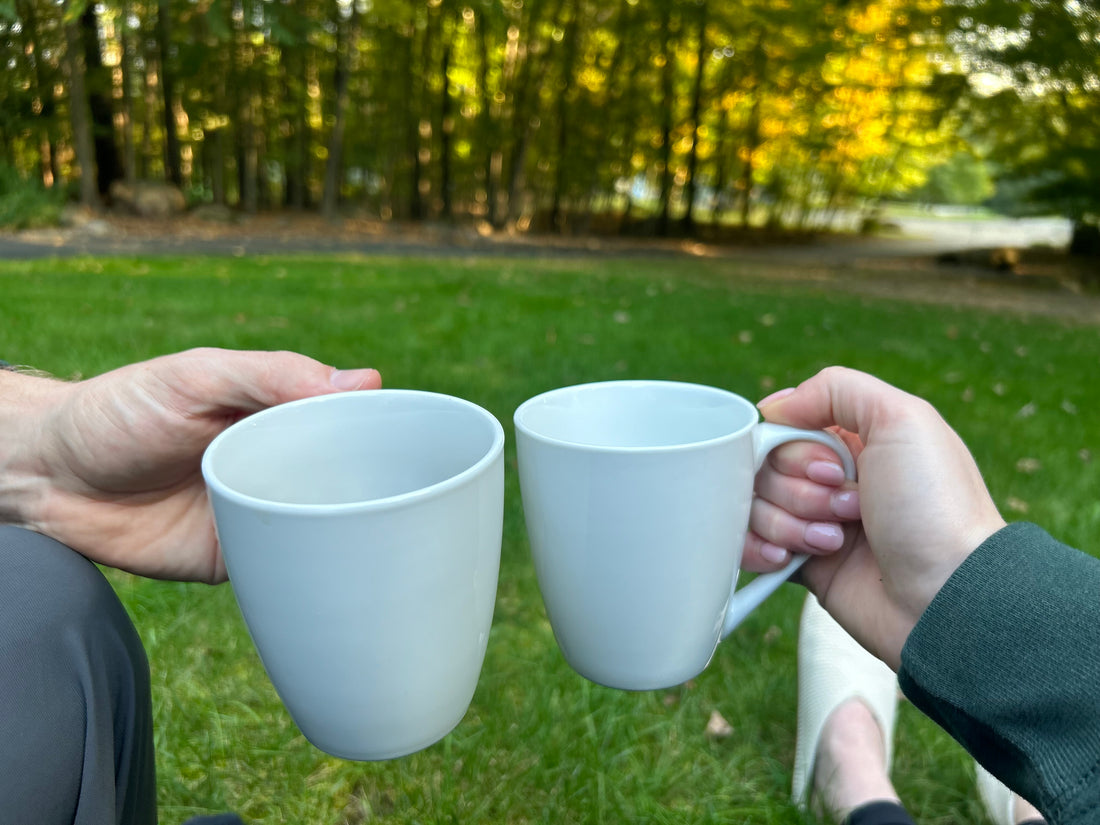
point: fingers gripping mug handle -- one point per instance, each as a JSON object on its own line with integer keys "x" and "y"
{"x": 766, "y": 437}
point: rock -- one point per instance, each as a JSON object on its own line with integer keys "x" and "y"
{"x": 1002, "y": 259}
{"x": 214, "y": 213}
{"x": 76, "y": 215}
{"x": 96, "y": 228}
{"x": 147, "y": 199}
{"x": 877, "y": 225}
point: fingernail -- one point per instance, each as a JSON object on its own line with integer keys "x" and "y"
{"x": 350, "y": 379}
{"x": 773, "y": 553}
{"x": 825, "y": 472}
{"x": 775, "y": 396}
{"x": 845, "y": 504}
{"x": 823, "y": 535}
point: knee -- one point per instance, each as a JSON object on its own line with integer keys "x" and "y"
{"x": 74, "y": 685}
{"x": 58, "y": 604}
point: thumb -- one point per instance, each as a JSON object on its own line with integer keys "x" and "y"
{"x": 252, "y": 381}
{"x": 837, "y": 396}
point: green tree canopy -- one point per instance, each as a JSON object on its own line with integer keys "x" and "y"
{"x": 560, "y": 114}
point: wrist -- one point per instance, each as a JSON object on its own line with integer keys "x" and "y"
{"x": 26, "y": 404}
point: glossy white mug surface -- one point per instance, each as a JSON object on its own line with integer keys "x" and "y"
{"x": 362, "y": 532}
{"x": 636, "y": 496}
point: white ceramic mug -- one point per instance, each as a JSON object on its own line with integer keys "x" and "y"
{"x": 636, "y": 496}
{"x": 362, "y": 532}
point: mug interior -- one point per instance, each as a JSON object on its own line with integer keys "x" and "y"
{"x": 352, "y": 448}
{"x": 635, "y": 414}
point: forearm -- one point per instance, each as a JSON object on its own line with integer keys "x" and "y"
{"x": 26, "y": 405}
{"x": 1007, "y": 660}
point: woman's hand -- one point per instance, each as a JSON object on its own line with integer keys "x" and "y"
{"x": 919, "y": 509}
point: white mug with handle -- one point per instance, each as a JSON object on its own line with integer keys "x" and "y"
{"x": 636, "y": 496}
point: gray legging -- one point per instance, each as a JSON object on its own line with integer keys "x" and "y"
{"x": 76, "y": 726}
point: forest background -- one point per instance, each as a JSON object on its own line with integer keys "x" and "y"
{"x": 643, "y": 117}
{"x": 650, "y": 117}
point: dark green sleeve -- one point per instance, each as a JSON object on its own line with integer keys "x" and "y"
{"x": 1007, "y": 660}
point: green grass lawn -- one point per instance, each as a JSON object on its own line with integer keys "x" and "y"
{"x": 539, "y": 743}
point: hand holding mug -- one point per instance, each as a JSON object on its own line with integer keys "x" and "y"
{"x": 110, "y": 465}
{"x": 922, "y": 504}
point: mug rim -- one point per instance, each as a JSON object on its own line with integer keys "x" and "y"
{"x": 214, "y": 484}
{"x": 523, "y": 428}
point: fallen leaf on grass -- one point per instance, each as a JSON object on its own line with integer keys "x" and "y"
{"x": 718, "y": 727}
{"x": 1028, "y": 465}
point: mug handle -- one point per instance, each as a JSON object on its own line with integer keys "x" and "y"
{"x": 765, "y": 438}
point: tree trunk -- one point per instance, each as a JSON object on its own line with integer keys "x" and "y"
{"x": 623, "y": 64}
{"x": 752, "y": 133}
{"x": 721, "y": 152}
{"x": 97, "y": 85}
{"x": 446, "y": 125}
{"x": 129, "y": 152}
{"x": 249, "y": 160}
{"x": 557, "y": 218}
{"x": 412, "y": 120}
{"x": 492, "y": 163}
{"x": 146, "y": 156}
{"x": 44, "y": 96}
{"x": 530, "y": 78}
{"x": 347, "y": 32}
{"x": 748, "y": 171}
{"x": 172, "y": 169}
{"x": 719, "y": 197}
{"x": 1085, "y": 243}
{"x": 688, "y": 222}
{"x": 217, "y": 166}
{"x": 244, "y": 139}
{"x": 667, "y": 103}
{"x": 83, "y": 142}
{"x": 297, "y": 166}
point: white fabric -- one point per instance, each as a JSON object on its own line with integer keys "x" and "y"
{"x": 832, "y": 668}
{"x": 999, "y": 801}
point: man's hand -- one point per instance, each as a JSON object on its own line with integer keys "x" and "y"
{"x": 111, "y": 466}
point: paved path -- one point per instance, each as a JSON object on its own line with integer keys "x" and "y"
{"x": 918, "y": 237}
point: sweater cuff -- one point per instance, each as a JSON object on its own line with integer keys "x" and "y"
{"x": 1007, "y": 658}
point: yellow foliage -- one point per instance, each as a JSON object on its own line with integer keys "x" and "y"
{"x": 592, "y": 79}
